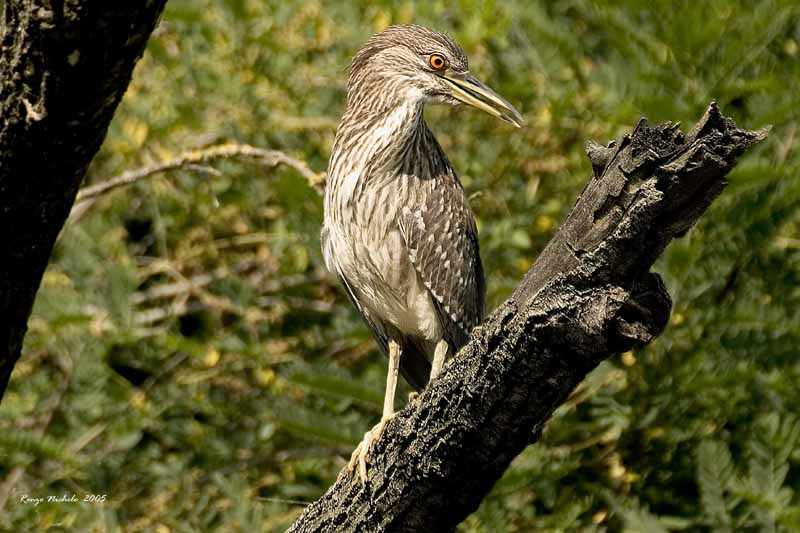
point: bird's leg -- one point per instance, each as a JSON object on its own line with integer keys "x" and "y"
{"x": 359, "y": 455}
{"x": 439, "y": 355}
{"x": 391, "y": 380}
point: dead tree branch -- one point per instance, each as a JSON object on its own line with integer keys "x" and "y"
{"x": 191, "y": 159}
{"x": 589, "y": 295}
{"x": 64, "y": 67}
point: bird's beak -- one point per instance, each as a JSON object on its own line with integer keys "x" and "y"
{"x": 469, "y": 90}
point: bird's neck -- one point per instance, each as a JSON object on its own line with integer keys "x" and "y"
{"x": 377, "y": 133}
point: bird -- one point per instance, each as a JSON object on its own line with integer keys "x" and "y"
{"x": 397, "y": 230}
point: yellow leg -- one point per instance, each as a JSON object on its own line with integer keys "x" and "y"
{"x": 439, "y": 355}
{"x": 391, "y": 380}
{"x": 359, "y": 456}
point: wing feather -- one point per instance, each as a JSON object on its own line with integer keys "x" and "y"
{"x": 442, "y": 241}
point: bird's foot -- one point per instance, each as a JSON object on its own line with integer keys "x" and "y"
{"x": 359, "y": 455}
{"x": 413, "y": 397}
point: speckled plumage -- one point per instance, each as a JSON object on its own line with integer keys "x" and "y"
{"x": 398, "y": 230}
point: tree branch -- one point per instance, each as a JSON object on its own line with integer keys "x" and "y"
{"x": 64, "y": 67}
{"x": 589, "y": 295}
{"x": 192, "y": 158}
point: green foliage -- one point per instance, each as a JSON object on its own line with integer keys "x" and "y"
{"x": 757, "y": 497}
{"x": 190, "y": 358}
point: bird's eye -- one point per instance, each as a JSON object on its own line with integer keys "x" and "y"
{"x": 437, "y": 62}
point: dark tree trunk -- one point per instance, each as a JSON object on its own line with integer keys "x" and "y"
{"x": 589, "y": 295}
{"x": 64, "y": 66}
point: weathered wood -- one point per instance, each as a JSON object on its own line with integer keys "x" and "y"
{"x": 64, "y": 67}
{"x": 589, "y": 295}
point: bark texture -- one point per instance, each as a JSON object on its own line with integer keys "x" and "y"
{"x": 589, "y": 295}
{"x": 64, "y": 66}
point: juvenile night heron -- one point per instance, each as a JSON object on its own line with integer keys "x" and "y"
{"x": 398, "y": 231}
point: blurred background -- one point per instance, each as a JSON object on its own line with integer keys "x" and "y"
{"x": 190, "y": 358}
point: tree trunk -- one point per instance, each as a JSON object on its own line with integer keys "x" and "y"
{"x": 64, "y": 67}
{"x": 589, "y": 295}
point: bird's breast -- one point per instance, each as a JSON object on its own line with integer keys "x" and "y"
{"x": 364, "y": 245}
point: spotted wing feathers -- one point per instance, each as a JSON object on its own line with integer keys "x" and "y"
{"x": 442, "y": 242}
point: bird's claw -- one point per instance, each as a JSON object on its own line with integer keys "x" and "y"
{"x": 359, "y": 455}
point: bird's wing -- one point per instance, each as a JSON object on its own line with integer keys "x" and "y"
{"x": 443, "y": 245}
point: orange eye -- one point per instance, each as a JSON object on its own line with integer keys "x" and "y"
{"x": 437, "y": 62}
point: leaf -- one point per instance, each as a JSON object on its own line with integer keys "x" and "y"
{"x": 637, "y": 519}
{"x": 714, "y": 473}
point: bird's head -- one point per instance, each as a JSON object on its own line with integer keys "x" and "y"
{"x": 417, "y": 64}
